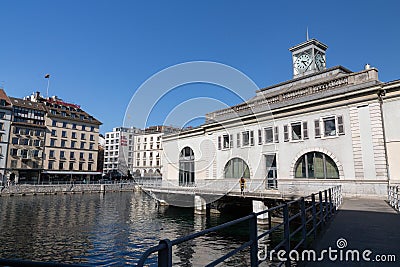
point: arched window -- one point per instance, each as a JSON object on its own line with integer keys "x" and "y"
{"x": 316, "y": 165}
{"x": 236, "y": 168}
{"x": 186, "y": 167}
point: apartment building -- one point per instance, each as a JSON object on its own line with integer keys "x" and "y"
{"x": 148, "y": 151}
{"x": 72, "y": 137}
{"x": 5, "y": 122}
{"x": 118, "y": 151}
{"x": 26, "y": 145}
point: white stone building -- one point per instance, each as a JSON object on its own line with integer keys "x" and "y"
{"x": 5, "y": 122}
{"x": 325, "y": 126}
{"x": 118, "y": 150}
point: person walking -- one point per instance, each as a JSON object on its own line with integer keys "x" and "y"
{"x": 242, "y": 182}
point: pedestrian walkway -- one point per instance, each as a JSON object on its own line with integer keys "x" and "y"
{"x": 361, "y": 224}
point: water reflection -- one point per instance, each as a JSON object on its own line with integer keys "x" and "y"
{"x": 110, "y": 230}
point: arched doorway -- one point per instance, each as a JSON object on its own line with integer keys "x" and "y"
{"x": 186, "y": 167}
{"x": 316, "y": 165}
{"x": 236, "y": 168}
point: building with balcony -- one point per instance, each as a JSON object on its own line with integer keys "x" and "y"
{"x": 323, "y": 127}
{"x": 26, "y": 141}
{"x": 5, "y": 123}
{"x": 71, "y": 145}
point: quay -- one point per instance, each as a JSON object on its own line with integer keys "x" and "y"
{"x": 65, "y": 188}
{"x": 362, "y": 224}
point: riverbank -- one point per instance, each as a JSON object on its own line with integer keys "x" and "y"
{"x": 54, "y": 189}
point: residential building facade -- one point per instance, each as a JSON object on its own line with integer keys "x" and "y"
{"x": 5, "y": 123}
{"x": 118, "y": 151}
{"x": 26, "y": 146}
{"x": 71, "y": 145}
{"x": 324, "y": 127}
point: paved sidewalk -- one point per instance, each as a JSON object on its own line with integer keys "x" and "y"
{"x": 362, "y": 224}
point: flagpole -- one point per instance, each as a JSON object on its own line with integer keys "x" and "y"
{"x": 47, "y": 76}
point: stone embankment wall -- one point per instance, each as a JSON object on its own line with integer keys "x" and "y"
{"x": 15, "y": 190}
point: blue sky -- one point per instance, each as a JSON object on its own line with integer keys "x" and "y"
{"x": 99, "y": 52}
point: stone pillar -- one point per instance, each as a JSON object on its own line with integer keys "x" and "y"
{"x": 199, "y": 205}
{"x": 260, "y": 206}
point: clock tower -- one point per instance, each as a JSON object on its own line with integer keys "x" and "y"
{"x": 308, "y": 57}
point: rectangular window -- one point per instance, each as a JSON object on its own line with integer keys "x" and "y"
{"x": 246, "y": 138}
{"x": 54, "y": 123}
{"x": 269, "y": 135}
{"x": 71, "y": 166}
{"x": 81, "y": 155}
{"x": 259, "y": 136}
{"x": 89, "y": 166}
{"x": 51, "y": 154}
{"x": 329, "y": 125}
{"x": 51, "y": 163}
{"x": 231, "y": 141}
{"x": 62, "y": 154}
{"x": 63, "y": 143}
{"x": 80, "y": 166}
{"x": 72, "y": 155}
{"x": 52, "y": 142}
{"x": 305, "y": 130}
{"x": 317, "y": 129}
{"x": 91, "y": 146}
{"x": 73, "y": 143}
{"x": 83, "y": 136}
{"x": 53, "y": 133}
{"x": 91, "y": 137}
{"x": 90, "y": 156}
{"x": 82, "y": 145}
{"x": 285, "y": 133}
{"x": 14, "y": 141}
{"x": 73, "y": 135}
{"x": 74, "y": 126}
{"x": 276, "y": 134}
{"x": 252, "y": 138}
{"x": 340, "y": 125}
{"x": 238, "y": 140}
{"x": 296, "y": 131}
{"x": 225, "y": 141}
{"x": 65, "y": 125}
{"x": 219, "y": 143}
{"x": 64, "y": 134}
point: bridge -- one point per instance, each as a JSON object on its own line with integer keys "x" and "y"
{"x": 361, "y": 231}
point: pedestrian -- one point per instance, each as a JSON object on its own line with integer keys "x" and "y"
{"x": 242, "y": 182}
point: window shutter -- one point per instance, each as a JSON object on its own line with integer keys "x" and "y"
{"x": 252, "y": 138}
{"x": 317, "y": 129}
{"x": 259, "y": 137}
{"x": 285, "y": 133}
{"x": 238, "y": 139}
{"x": 230, "y": 141}
{"x": 219, "y": 142}
{"x": 305, "y": 130}
{"x": 340, "y": 125}
{"x": 276, "y": 134}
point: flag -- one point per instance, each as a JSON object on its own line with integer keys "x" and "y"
{"x": 47, "y": 76}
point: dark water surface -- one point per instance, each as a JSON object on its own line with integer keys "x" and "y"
{"x": 109, "y": 230}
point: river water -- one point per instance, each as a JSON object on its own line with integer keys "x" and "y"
{"x": 113, "y": 229}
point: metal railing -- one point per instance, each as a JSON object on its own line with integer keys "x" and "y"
{"x": 302, "y": 218}
{"x": 393, "y": 197}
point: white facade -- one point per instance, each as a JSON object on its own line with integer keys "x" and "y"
{"x": 147, "y": 155}
{"x": 118, "y": 149}
{"x": 5, "y": 122}
{"x": 321, "y": 128}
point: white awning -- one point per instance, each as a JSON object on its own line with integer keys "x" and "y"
{"x": 71, "y": 172}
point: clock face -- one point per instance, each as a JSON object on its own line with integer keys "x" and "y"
{"x": 303, "y": 62}
{"x": 319, "y": 61}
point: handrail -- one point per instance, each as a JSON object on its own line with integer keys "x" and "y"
{"x": 393, "y": 197}
{"x": 322, "y": 210}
